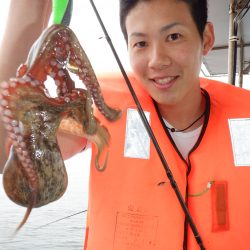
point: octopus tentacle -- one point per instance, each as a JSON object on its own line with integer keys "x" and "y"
{"x": 61, "y": 48}
{"x": 14, "y": 127}
{"x": 79, "y": 64}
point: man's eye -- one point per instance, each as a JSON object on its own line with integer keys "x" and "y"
{"x": 141, "y": 44}
{"x": 173, "y": 37}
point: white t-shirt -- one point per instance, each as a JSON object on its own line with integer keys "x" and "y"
{"x": 184, "y": 141}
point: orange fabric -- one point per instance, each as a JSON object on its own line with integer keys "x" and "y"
{"x": 220, "y": 217}
{"x": 213, "y": 160}
{"x": 133, "y": 206}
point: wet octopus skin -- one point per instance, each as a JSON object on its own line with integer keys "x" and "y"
{"x": 57, "y": 48}
{"x": 34, "y": 174}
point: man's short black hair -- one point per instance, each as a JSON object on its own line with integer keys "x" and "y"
{"x": 198, "y": 9}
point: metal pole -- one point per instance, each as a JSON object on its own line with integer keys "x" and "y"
{"x": 232, "y": 43}
{"x": 240, "y": 81}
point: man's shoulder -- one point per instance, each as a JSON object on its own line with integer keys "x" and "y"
{"x": 227, "y": 97}
{"x": 223, "y": 90}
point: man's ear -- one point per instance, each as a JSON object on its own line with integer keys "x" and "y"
{"x": 208, "y": 38}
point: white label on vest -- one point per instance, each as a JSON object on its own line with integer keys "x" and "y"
{"x": 240, "y": 136}
{"x": 137, "y": 141}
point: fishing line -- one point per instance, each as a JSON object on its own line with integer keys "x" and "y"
{"x": 63, "y": 218}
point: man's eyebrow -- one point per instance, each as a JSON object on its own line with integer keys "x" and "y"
{"x": 137, "y": 34}
{"x": 169, "y": 26}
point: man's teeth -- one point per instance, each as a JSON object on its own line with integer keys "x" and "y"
{"x": 165, "y": 80}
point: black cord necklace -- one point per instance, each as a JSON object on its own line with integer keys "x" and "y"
{"x": 181, "y": 130}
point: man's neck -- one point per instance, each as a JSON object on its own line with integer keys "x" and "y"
{"x": 184, "y": 113}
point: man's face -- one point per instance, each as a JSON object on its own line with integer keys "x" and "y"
{"x": 165, "y": 50}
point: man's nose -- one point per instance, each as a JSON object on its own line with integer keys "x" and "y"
{"x": 159, "y": 57}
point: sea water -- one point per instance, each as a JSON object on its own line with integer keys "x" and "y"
{"x": 46, "y": 227}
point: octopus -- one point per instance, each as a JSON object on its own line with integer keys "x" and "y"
{"x": 34, "y": 174}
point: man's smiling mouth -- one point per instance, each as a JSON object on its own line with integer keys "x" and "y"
{"x": 164, "y": 82}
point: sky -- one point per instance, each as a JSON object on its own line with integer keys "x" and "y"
{"x": 86, "y": 27}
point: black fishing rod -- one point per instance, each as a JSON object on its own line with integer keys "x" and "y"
{"x": 151, "y": 134}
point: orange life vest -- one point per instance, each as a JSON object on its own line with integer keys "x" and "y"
{"x": 132, "y": 204}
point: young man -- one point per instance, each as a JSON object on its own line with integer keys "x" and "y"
{"x": 200, "y": 126}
